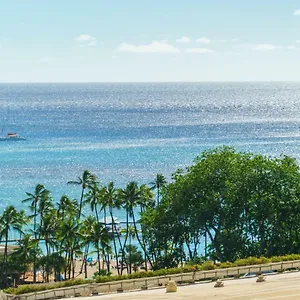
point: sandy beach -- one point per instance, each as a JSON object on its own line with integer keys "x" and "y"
{"x": 93, "y": 267}
{"x": 281, "y": 286}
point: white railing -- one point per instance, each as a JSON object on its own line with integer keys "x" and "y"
{"x": 150, "y": 282}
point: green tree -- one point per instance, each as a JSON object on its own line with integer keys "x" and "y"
{"x": 101, "y": 242}
{"x": 39, "y": 200}
{"x": 111, "y": 200}
{"x": 87, "y": 180}
{"x": 158, "y": 183}
{"x": 133, "y": 258}
{"x": 245, "y": 204}
{"x": 40, "y": 195}
{"x": 87, "y": 231}
{"x": 130, "y": 231}
{"x": 95, "y": 198}
{"x": 69, "y": 234}
{"x": 131, "y": 197}
{"x": 26, "y": 252}
{"x": 67, "y": 207}
{"x": 11, "y": 219}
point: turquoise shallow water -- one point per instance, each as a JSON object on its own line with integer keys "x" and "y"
{"x": 124, "y": 132}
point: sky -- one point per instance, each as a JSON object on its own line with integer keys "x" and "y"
{"x": 149, "y": 40}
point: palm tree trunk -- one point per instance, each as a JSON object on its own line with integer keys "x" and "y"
{"x": 98, "y": 259}
{"x": 108, "y": 262}
{"x": 114, "y": 239}
{"x": 139, "y": 240}
{"x": 35, "y": 237}
{"x": 5, "y": 257}
{"x": 80, "y": 204}
{"x": 97, "y": 214}
{"x": 129, "y": 254}
{"x": 85, "y": 261}
{"x": 125, "y": 240}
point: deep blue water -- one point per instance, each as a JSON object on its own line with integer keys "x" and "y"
{"x": 123, "y": 132}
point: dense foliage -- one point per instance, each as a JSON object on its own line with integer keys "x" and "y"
{"x": 228, "y": 205}
{"x": 237, "y": 204}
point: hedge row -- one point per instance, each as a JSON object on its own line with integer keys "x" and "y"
{"x": 209, "y": 265}
{"x": 38, "y": 287}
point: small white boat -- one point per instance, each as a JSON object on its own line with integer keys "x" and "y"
{"x": 11, "y": 136}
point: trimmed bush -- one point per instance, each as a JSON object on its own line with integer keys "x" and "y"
{"x": 226, "y": 264}
{"x": 209, "y": 265}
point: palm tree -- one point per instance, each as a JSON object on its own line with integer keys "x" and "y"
{"x": 111, "y": 200}
{"x": 67, "y": 207}
{"x": 87, "y": 180}
{"x": 146, "y": 198}
{"x": 47, "y": 228}
{"x": 11, "y": 219}
{"x": 94, "y": 198}
{"x": 68, "y": 234}
{"x": 145, "y": 201}
{"x": 101, "y": 239}
{"x": 40, "y": 195}
{"x": 158, "y": 183}
{"x": 125, "y": 195}
{"x": 26, "y": 252}
{"x": 131, "y": 197}
{"x": 45, "y": 206}
{"x": 86, "y": 232}
{"x": 130, "y": 231}
{"x": 134, "y": 258}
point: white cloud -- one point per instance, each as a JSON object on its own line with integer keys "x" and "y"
{"x": 184, "y": 40}
{"x": 264, "y": 47}
{"x": 298, "y": 42}
{"x": 291, "y": 47}
{"x": 203, "y": 40}
{"x": 92, "y": 43}
{"x": 154, "y": 47}
{"x": 297, "y": 12}
{"x": 198, "y": 50}
{"x": 86, "y": 39}
{"x": 48, "y": 59}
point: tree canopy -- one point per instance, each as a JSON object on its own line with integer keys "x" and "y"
{"x": 226, "y": 205}
{"x": 231, "y": 203}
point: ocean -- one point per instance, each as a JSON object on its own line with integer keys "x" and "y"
{"x": 132, "y": 131}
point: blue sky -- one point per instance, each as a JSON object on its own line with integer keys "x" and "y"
{"x": 149, "y": 40}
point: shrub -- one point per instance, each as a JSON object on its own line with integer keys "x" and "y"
{"x": 276, "y": 259}
{"x": 226, "y": 264}
{"x": 209, "y": 265}
{"x": 291, "y": 257}
{"x": 251, "y": 261}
